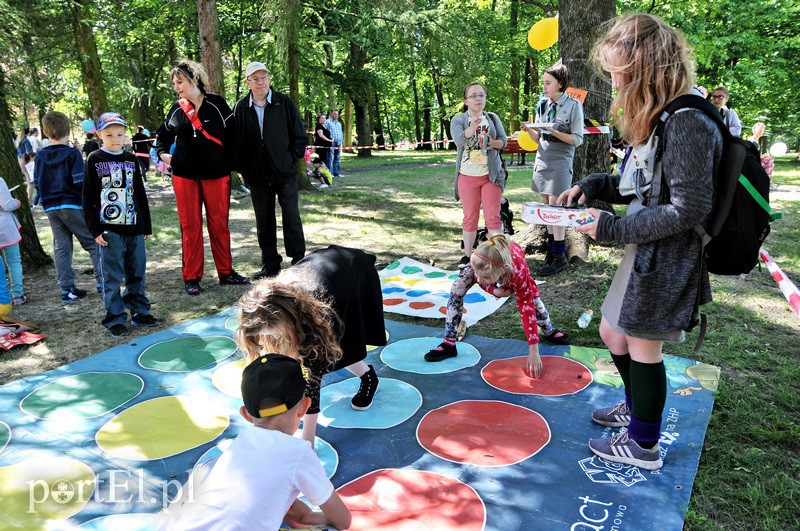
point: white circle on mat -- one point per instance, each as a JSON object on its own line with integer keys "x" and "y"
{"x": 408, "y": 355}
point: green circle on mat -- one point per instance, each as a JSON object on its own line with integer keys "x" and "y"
{"x": 410, "y": 270}
{"x": 232, "y": 323}
{"x": 453, "y": 277}
{"x": 185, "y": 354}
{"x": 435, "y": 274}
{"x": 5, "y": 435}
{"x": 394, "y": 265}
{"x": 86, "y": 395}
{"x": 162, "y": 427}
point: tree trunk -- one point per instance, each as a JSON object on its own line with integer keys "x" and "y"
{"x": 579, "y": 25}
{"x": 348, "y": 122}
{"x": 426, "y": 130}
{"x": 579, "y": 29}
{"x": 415, "y": 91}
{"x": 86, "y": 54}
{"x": 513, "y": 78}
{"x": 388, "y": 125}
{"x": 363, "y": 127}
{"x": 291, "y": 18}
{"x": 208, "y": 26}
{"x": 33, "y": 256}
{"x": 376, "y": 123}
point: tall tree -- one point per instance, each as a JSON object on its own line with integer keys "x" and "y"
{"x": 208, "y": 25}
{"x": 33, "y": 255}
{"x": 86, "y": 53}
{"x": 579, "y": 28}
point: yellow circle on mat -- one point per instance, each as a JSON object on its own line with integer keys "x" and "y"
{"x": 38, "y": 491}
{"x": 370, "y": 348}
{"x": 228, "y": 378}
{"x": 162, "y": 427}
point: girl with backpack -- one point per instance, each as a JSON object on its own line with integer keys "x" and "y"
{"x": 652, "y": 296}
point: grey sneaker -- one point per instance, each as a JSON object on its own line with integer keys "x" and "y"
{"x": 618, "y": 416}
{"x": 620, "y": 448}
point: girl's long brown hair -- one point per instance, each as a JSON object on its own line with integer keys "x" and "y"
{"x": 302, "y": 318}
{"x": 653, "y": 60}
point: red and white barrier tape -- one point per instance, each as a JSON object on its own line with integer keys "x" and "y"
{"x": 788, "y": 288}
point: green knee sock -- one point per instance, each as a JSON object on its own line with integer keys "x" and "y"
{"x": 648, "y": 390}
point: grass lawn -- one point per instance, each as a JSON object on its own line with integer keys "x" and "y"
{"x": 401, "y": 204}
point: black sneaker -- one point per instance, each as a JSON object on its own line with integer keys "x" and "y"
{"x": 267, "y": 272}
{"x": 441, "y": 353}
{"x": 193, "y": 287}
{"x": 369, "y": 386}
{"x": 559, "y": 263}
{"x": 143, "y": 319}
{"x": 298, "y": 258}
{"x": 463, "y": 262}
{"x": 233, "y": 279}
{"x": 118, "y": 330}
{"x": 72, "y": 295}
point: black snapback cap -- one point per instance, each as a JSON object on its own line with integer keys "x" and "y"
{"x": 272, "y": 375}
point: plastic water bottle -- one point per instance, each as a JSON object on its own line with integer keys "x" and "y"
{"x": 585, "y": 319}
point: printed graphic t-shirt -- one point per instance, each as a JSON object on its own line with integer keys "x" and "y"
{"x": 474, "y": 161}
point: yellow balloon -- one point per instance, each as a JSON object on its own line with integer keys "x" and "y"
{"x": 543, "y": 34}
{"x": 526, "y": 142}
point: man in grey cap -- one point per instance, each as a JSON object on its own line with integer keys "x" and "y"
{"x": 272, "y": 138}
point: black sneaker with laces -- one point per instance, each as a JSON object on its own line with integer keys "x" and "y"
{"x": 369, "y": 386}
{"x": 118, "y": 330}
{"x": 463, "y": 262}
{"x": 441, "y": 353}
{"x": 559, "y": 263}
{"x": 143, "y": 319}
{"x": 233, "y": 279}
{"x": 555, "y": 339}
{"x": 193, "y": 287}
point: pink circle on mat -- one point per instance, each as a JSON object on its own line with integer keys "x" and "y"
{"x": 560, "y": 376}
{"x": 393, "y": 302}
{"x": 420, "y": 305}
{"x": 483, "y": 432}
{"x": 390, "y": 499}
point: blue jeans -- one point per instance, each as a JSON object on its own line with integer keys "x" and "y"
{"x": 14, "y": 265}
{"x": 333, "y": 159}
{"x": 123, "y": 258}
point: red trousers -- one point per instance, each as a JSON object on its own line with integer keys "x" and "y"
{"x": 190, "y": 196}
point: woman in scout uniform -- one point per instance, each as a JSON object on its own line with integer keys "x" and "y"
{"x": 552, "y": 171}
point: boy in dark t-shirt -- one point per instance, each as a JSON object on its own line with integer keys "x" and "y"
{"x": 118, "y": 217}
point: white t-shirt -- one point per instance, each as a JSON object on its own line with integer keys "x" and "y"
{"x": 35, "y": 143}
{"x": 29, "y": 168}
{"x": 252, "y": 485}
{"x": 474, "y": 160}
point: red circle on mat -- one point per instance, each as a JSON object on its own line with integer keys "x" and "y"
{"x": 390, "y": 499}
{"x": 483, "y": 432}
{"x": 560, "y": 376}
{"x": 443, "y": 310}
{"x": 420, "y": 305}
{"x": 393, "y": 302}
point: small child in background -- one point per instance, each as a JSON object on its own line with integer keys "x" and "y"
{"x": 9, "y": 243}
{"x": 58, "y": 180}
{"x": 320, "y": 172}
{"x": 255, "y": 483}
{"x": 30, "y": 165}
{"x": 498, "y": 265}
{"x": 118, "y": 217}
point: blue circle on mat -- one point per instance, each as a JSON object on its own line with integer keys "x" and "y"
{"x": 123, "y": 522}
{"x": 387, "y": 291}
{"x": 408, "y": 355}
{"x": 417, "y": 292}
{"x": 326, "y": 453}
{"x": 395, "y": 402}
{"x": 474, "y": 297}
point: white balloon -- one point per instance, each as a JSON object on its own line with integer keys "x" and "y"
{"x": 779, "y": 149}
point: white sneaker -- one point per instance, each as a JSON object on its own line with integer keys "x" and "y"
{"x": 323, "y": 186}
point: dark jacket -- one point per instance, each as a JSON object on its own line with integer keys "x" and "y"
{"x": 269, "y": 155}
{"x": 197, "y": 157}
{"x": 663, "y": 286}
{"x": 58, "y": 177}
{"x": 114, "y": 198}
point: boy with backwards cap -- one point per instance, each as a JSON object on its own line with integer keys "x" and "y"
{"x": 255, "y": 483}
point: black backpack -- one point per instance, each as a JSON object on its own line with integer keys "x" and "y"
{"x": 740, "y": 217}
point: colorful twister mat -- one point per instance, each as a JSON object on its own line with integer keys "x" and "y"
{"x": 413, "y": 288}
{"x": 466, "y": 444}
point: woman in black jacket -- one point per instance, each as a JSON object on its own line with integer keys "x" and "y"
{"x": 322, "y": 140}
{"x": 202, "y": 127}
